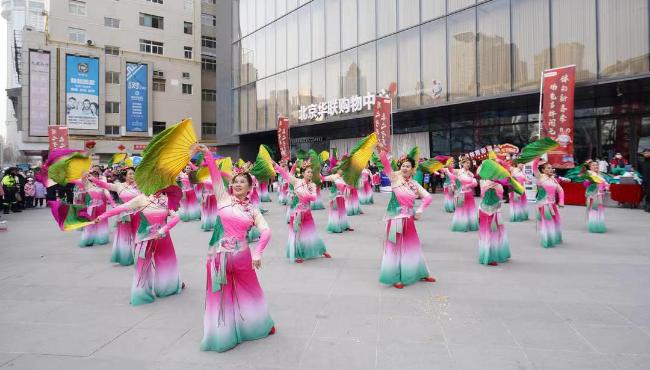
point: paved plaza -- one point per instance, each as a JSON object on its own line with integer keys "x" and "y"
{"x": 582, "y": 305}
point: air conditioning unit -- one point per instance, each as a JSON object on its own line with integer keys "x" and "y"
{"x": 186, "y": 75}
{"x": 90, "y": 42}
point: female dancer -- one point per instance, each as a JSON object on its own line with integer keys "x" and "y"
{"x": 549, "y": 226}
{"x": 493, "y": 246}
{"x": 365, "y": 188}
{"x": 265, "y": 197}
{"x": 283, "y": 190}
{"x": 337, "y": 220}
{"x": 190, "y": 209}
{"x": 595, "y": 194}
{"x": 465, "y": 216}
{"x": 156, "y": 268}
{"x": 518, "y": 203}
{"x": 317, "y": 204}
{"x": 96, "y": 234}
{"x": 235, "y": 307}
{"x": 304, "y": 243}
{"x": 208, "y": 206}
{"x": 127, "y": 225}
{"x": 352, "y": 201}
{"x": 403, "y": 263}
{"x": 449, "y": 187}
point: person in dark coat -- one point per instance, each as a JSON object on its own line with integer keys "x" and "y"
{"x": 644, "y": 165}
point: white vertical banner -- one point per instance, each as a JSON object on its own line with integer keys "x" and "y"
{"x": 39, "y": 92}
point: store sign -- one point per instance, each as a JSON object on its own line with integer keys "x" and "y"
{"x": 138, "y": 147}
{"x": 137, "y": 97}
{"x": 382, "y": 121}
{"x": 39, "y": 92}
{"x": 558, "y": 87}
{"x": 335, "y": 107}
{"x": 82, "y": 92}
{"x": 57, "y": 137}
{"x": 284, "y": 138}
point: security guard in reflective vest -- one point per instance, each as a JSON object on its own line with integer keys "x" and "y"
{"x": 10, "y": 186}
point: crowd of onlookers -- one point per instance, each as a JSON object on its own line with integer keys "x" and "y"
{"x": 20, "y": 190}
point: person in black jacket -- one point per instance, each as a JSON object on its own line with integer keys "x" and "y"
{"x": 645, "y": 172}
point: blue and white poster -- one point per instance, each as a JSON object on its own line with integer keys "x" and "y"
{"x": 137, "y": 97}
{"x": 82, "y": 92}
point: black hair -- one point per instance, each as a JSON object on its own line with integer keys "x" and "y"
{"x": 540, "y": 167}
{"x": 122, "y": 174}
{"x": 246, "y": 175}
{"x": 407, "y": 159}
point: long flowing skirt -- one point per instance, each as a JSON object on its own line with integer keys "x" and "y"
{"x": 450, "y": 206}
{"x": 124, "y": 242}
{"x": 283, "y": 194}
{"x": 156, "y": 271}
{"x": 95, "y": 234}
{"x": 549, "y": 226}
{"x": 595, "y": 216}
{"x": 317, "y": 204}
{"x": 493, "y": 243}
{"x": 208, "y": 212}
{"x": 237, "y": 310}
{"x": 264, "y": 192}
{"x": 190, "y": 209}
{"x": 365, "y": 193}
{"x": 465, "y": 216}
{"x": 304, "y": 241}
{"x": 337, "y": 220}
{"x": 403, "y": 260}
{"x": 518, "y": 207}
{"x": 352, "y": 203}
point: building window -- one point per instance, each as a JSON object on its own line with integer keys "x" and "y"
{"x": 111, "y": 22}
{"x": 209, "y": 1}
{"x": 112, "y": 107}
{"x": 208, "y": 63}
{"x": 208, "y": 129}
{"x": 208, "y": 20}
{"x": 187, "y": 89}
{"x": 76, "y": 35}
{"x": 77, "y": 7}
{"x": 112, "y": 130}
{"x": 151, "y": 47}
{"x": 159, "y": 127}
{"x": 187, "y": 28}
{"x": 208, "y": 42}
{"x": 158, "y": 74}
{"x": 153, "y": 21}
{"x": 208, "y": 95}
{"x": 155, "y": 1}
{"x": 188, "y": 52}
{"x": 158, "y": 84}
{"x": 112, "y": 77}
{"x": 111, "y": 50}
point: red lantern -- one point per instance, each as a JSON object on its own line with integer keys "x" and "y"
{"x": 121, "y": 147}
{"x": 90, "y": 144}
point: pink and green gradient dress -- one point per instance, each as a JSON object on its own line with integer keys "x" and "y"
{"x": 337, "y": 220}
{"x": 595, "y": 195}
{"x": 96, "y": 201}
{"x": 465, "y": 216}
{"x": 549, "y": 226}
{"x": 403, "y": 261}
{"x": 127, "y": 224}
{"x": 156, "y": 269}
{"x": 493, "y": 246}
{"x": 235, "y": 307}
{"x": 518, "y": 203}
{"x": 208, "y": 207}
{"x": 265, "y": 196}
{"x": 365, "y": 187}
{"x": 304, "y": 242}
{"x": 449, "y": 188}
{"x": 283, "y": 191}
{"x": 352, "y": 205}
{"x": 190, "y": 209}
{"x": 317, "y": 204}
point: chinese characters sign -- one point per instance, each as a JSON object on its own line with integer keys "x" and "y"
{"x": 336, "y": 107}
{"x": 283, "y": 137}
{"x": 382, "y": 121}
{"x": 58, "y": 137}
{"x": 39, "y": 92}
{"x": 557, "y": 106}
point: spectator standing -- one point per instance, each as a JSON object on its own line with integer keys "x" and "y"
{"x": 40, "y": 193}
{"x": 618, "y": 161}
{"x": 30, "y": 193}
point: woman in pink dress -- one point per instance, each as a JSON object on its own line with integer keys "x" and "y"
{"x": 518, "y": 203}
{"x": 465, "y": 215}
{"x": 548, "y": 215}
{"x": 337, "y": 220}
{"x": 365, "y": 188}
{"x": 190, "y": 209}
{"x": 596, "y": 187}
{"x": 493, "y": 246}
{"x": 235, "y": 307}
{"x": 449, "y": 187}
{"x": 208, "y": 206}
{"x": 96, "y": 200}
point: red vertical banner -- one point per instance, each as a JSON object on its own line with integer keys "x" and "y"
{"x": 558, "y": 89}
{"x": 284, "y": 138}
{"x": 382, "y": 121}
{"x": 57, "y": 137}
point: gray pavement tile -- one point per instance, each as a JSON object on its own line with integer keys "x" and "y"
{"x": 526, "y": 312}
{"x": 477, "y": 332}
{"x": 413, "y": 356}
{"x": 355, "y": 327}
{"x": 547, "y": 336}
{"x": 396, "y": 306}
{"x": 630, "y": 362}
{"x": 141, "y": 344}
{"x": 616, "y": 339}
{"x": 294, "y": 323}
{"x": 582, "y": 313}
{"x": 566, "y": 360}
{"x": 25, "y": 311}
{"x": 348, "y": 304}
{"x": 53, "y": 362}
{"x": 409, "y": 329}
{"x": 638, "y": 314}
{"x": 119, "y": 315}
{"x": 7, "y": 357}
{"x": 329, "y": 354}
{"x": 486, "y": 357}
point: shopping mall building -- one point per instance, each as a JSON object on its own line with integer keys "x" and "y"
{"x": 463, "y": 73}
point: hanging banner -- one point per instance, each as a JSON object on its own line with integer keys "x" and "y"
{"x": 558, "y": 88}
{"x": 57, "y": 137}
{"x": 39, "y": 92}
{"x": 137, "y": 97}
{"x": 382, "y": 121}
{"x": 284, "y": 138}
{"x": 82, "y": 92}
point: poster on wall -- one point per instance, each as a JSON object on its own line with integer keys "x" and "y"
{"x": 137, "y": 97}
{"x": 284, "y": 138}
{"x": 82, "y": 92}
{"x": 558, "y": 87}
{"x": 57, "y": 137}
{"x": 39, "y": 92}
{"x": 382, "y": 121}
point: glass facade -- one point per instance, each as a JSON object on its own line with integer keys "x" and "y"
{"x": 432, "y": 53}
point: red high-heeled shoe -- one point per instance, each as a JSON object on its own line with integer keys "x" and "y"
{"x": 399, "y": 285}
{"x": 429, "y": 279}
{"x": 327, "y": 255}
{"x": 493, "y": 264}
{"x": 272, "y": 331}
{"x": 298, "y": 260}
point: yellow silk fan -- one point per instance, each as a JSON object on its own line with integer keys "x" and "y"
{"x": 69, "y": 168}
